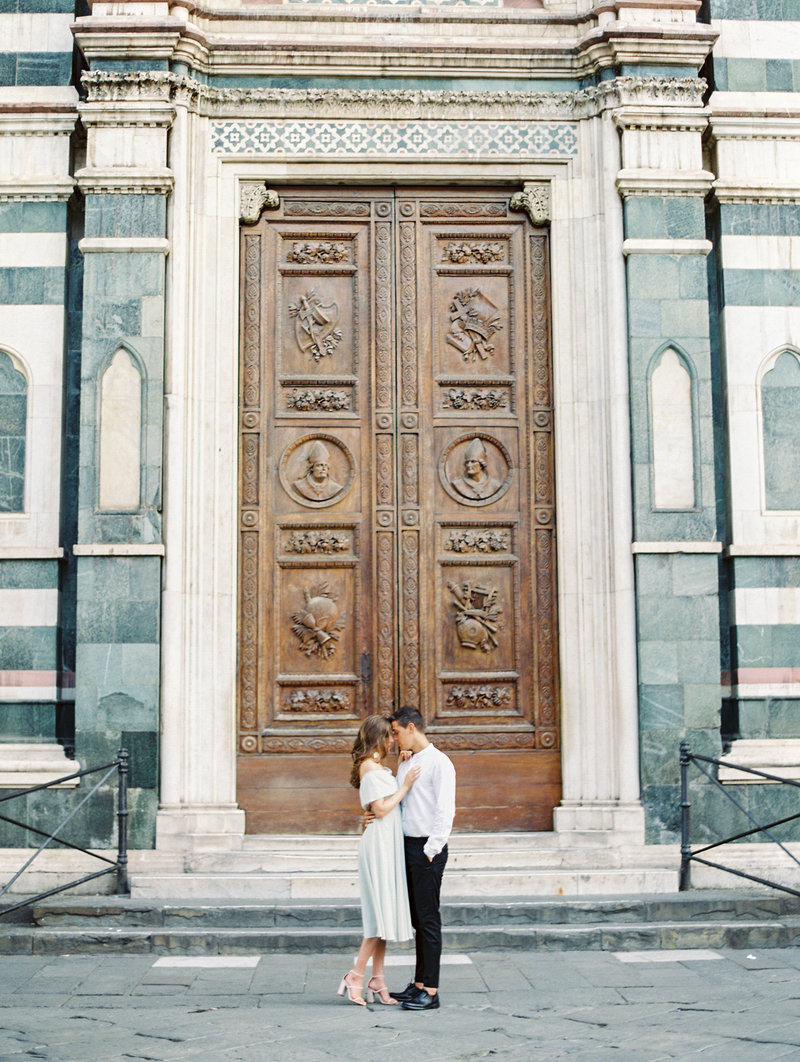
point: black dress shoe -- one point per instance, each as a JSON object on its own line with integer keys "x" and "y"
{"x": 411, "y": 991}
{"x": 423, "y": 1001}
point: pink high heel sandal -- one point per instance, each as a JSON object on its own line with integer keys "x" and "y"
{"x": 381, "y": 991}
{"x": 353, "y": 991}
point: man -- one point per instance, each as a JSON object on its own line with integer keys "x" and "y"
{"x": 428, "y": 810}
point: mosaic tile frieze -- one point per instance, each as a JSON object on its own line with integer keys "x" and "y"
{"x": 398, "y": 139}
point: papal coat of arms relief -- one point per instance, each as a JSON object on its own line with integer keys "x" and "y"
{"x": 315, "y": 325}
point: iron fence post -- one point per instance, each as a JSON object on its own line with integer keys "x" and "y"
{"x": 685, "y": 880}
{"x": 123, "y": 888}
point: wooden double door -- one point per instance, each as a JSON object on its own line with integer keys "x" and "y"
{"x": 397, "y": 525}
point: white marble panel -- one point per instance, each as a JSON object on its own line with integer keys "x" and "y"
{"x": 760, "y": 252}
{"x": 32, "y": 249}
{"x": 672, "y": 434}
{"x": 766, "y": 605}
{"x": 120, "y": 434}
{"x": 35, "y": 33}
{"x": 29, "y": 608}
{"x": 757, "y": 39}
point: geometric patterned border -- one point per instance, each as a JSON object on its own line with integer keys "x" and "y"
{"x": 401, "y": 139}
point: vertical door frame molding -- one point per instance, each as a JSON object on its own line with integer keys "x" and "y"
{"x": 597, "y": 647}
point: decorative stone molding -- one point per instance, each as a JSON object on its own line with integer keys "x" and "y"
{"x": 34, "y": 189}
{"x": 25, "y": 765}
{"x": 253, "y": 199}
{"x": 638, "y": 246}
{"x": 125, "y": 181}
{"x": 128, "y": 244}
{"x": 102, "y": 86}
{"x": 119, "y": 549}
{"x": 534, "y": 199}
{"x": 776, "y": 756}
{"x": 664, "y": 182}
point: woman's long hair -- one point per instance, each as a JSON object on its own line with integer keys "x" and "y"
{"x": 374, "y": 735}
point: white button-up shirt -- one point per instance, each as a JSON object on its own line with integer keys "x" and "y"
{"x": 429, "y": 807}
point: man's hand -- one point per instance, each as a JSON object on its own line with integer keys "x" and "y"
{"x": 368, "y": 816}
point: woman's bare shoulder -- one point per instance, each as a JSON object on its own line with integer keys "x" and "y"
{"x": 368, "y": 765}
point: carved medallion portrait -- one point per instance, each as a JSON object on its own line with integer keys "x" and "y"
{"x": 476, "y": 469}
{"x": 317, "y": 470}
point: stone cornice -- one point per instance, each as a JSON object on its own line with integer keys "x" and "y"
{"x": 155, "y": 89}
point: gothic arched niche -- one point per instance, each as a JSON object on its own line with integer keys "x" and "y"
{"x": 120, "y": 434}
{"x": 672, "y": 432}
{"x": 780, "y": 400}
{"x": 13, "y": 428}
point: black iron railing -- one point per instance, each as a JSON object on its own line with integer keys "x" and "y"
{"x": 118, "y": 866}
{"x": 689, "y": 855}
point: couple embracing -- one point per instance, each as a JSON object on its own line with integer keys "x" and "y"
{"x": 402, "y": 855}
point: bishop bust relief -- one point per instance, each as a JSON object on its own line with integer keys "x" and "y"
{"x": 475, "y": 470}
{"x": 317, "y": 470}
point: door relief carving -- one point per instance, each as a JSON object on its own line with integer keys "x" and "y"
{"x": 317, "y": 471}
{"x": 397, "y": 499}
{"x": 318, "y": 624}
{"x": 477, "y": 616}
{"x": 315, "y": 325}
{"x": 476, "y": 470}
{"x": 473, "y": 320}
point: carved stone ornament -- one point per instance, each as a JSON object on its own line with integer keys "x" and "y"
{"x": 318, "y": 624}
{"x": 418, "y": 104}
{"x": 473, "y": 320}
{"x": 305, "y": 542}
{"x": 315, "y": 325}
{"x": 477, "y": 615}
{"x": 317, "y": 470}
{"x": 479, "y": 698}
{"x": 492, "y": 540}
{"x": 471, "y": 398}
{"x": 314, "y": 400}
{"x": 534, "y": 199}
{"x": 472, "y": 252}
{"x": 324, "y": 252}
{"x": 253, "y": 198}
{"x": 319, "y": 701}
{"x": 476, "y": 469}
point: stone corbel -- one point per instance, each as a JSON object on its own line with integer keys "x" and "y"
{"x": 253, "y": 198}
{"x": 534, "y": 199}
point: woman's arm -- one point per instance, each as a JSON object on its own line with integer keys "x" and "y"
{"x": 383, "y": 805}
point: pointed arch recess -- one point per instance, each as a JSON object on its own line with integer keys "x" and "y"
{"x": 671, "y": 387}
{"x": 14, "y": 421}
{"x": 120, "y": 445}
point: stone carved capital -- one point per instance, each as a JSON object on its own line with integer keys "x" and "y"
{"x": 534, "y": 199}
{"x": 396, "y": 104}
{"x": 253, "y": 198}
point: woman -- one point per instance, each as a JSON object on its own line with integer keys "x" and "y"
{"x": 381, "y": 862}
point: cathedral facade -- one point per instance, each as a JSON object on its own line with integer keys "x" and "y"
{"x": 358, "y": 354}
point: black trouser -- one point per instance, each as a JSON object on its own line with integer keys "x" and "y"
{"x": 424, "y": 885}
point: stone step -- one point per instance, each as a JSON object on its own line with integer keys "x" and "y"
{"x": 489, "y": 883}
{"x": 759, "y": 933}
{"x": 119, "y": 911}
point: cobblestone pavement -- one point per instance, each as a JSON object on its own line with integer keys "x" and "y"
{"x": 712, "y": 1006}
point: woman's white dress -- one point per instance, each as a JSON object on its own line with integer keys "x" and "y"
{"x": 382, "y": 865}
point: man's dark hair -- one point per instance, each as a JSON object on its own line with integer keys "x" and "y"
{"x": 405, "y": 715}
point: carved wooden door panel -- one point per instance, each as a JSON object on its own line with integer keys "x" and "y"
{"x": 397, "y": 501}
